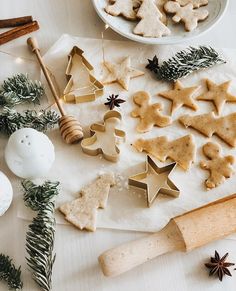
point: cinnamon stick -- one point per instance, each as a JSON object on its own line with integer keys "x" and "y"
{"x": 13, "y": 22}
{"x": 18, "y": 31}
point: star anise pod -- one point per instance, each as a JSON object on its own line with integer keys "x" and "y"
{"x": 153, "y": 64}
{"x": 113, "y": 101}
{"x": 218, "y": 266}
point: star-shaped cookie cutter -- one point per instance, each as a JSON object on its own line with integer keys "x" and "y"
{"x": 88, "y": 93}
{"x": 105, "y": 137}
{"x": 162, "y": 185}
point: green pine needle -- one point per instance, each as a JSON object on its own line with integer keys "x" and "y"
{"x": 20, "y": 89}
{"x": 185, "y": 62}
{"x": 41, "y": 232}
{"x": 11, "y": 120}
{"x": 9, "y": 273}
{"x": 39, "y": 246}
{"x": 37, "y": 197}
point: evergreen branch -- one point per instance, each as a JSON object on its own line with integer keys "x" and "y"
{"x": 184, "y": 63}
{"x": 39, "y": 246}
{"x": 41, "y": 232}
{"x": 38, "y": 197}
{"x": 9, "y": 273}
{"x": 11, "y": 120}
{"x": 20, "y": 89}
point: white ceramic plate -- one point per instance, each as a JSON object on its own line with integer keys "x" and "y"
{"x": 124, "y": 27}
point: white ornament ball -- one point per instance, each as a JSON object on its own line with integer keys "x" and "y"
{"x": 6, "y": 193}
{"x": 29, "y": 153}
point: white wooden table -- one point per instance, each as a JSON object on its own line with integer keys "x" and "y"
{"x": 76, "y": 267}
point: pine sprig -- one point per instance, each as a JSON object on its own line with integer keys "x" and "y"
{"x": 11, "y": 120}
{"x": 9, "y": 273}
{"x": 20, "y": 89}
{"x": 41, "y": 233}
{"x": 185, "y": 62}
{"x": 39, "y": 246}
{"x": 38, "y": 197}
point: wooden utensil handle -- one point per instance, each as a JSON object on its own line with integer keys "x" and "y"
{"x": 127, "y": 256}
{"x": 33, "y": 44}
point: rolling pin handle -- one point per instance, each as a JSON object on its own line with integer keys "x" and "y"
{"x": 129, "y": 255}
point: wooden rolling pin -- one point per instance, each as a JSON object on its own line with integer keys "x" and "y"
{"x": 183, "y": 233}
{"x": 70, "y": 128}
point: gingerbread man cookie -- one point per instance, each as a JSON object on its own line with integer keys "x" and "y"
{"x": 150, "y": 24}
{"x": 123, "y": 7}
{"x": 186, "y": 14}
{"x": 218, "y": 166}
{"x": 196, "y": 3}
{"x": 149, "y": 114}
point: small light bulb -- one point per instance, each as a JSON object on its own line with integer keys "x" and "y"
{"x": 19, "y": 60}
{"x": 106, "y": 26}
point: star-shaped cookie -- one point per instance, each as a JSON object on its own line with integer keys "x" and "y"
{"x": 155, "y": 181}
{"x": 218, "y": 94}
{"x": 121, "y": 73}
{"x": 180, "y": 96}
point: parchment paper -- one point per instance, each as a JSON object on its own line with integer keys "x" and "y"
{"x": 126, "y": 207}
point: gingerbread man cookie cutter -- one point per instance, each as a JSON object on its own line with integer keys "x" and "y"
{"x": 105, "y": 137}
{"x": 82, "y": 86}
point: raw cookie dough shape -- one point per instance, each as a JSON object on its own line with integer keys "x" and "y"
{"x": 82, "y": 212}
{"x": 105, "y": 138}
{"x": 121, "y": 73}
{"x": 218, "y": 94}
{"x": 181, "y": 150}
{"x": 155, "y": 181}
{"x": 196, "y": 3}
{"x": 218, "y": 166}
{"x": 149, "y": 114}
{"x": 186, "y": 14}
{"x": 150, "y": 24}
{"x": 123, "y": 7}
{"x": 160, "y": 5}
{"x": 208, "y": 124}
{"x": 181, "y": 96}
{"x": 82, "y": 86}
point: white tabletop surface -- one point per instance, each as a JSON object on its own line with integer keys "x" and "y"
{"x": 76, "y": 266}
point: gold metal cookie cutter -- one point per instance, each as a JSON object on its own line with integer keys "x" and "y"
{"x": 82, "y": 86}
{"x": 105, "y": 137}
{"x": 162, "y": 183}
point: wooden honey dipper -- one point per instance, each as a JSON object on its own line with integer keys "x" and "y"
{"x": 183, "y": 233}
{"x": 71, "y": 131}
